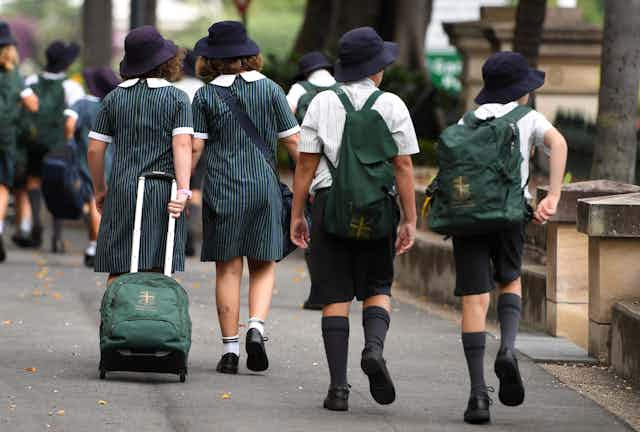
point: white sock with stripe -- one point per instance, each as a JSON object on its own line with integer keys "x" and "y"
{"x": 231, "y": 344}
{"x": 256, "y": 323}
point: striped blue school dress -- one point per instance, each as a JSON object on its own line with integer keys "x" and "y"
{"x": 242, "y": 202}
{"x": 139, "y": 119}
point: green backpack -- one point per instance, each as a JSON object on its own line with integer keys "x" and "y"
{"x": 47, "y": 125}
{"x": 361, "y": 204}
{"x": 478, "y": 189}
{"x": 145, "y": 311}
{"x": 305, "y": 99}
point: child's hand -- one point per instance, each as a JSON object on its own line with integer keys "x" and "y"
{"x": 100, "y": 197}
{"x": 547, "y": 208}
{"x": 300, "y": 232}
{"x": 406, "y": 237}
{"x": 176, "y": 206}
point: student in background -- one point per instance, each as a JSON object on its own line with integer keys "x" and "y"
{"x": 13, "y": 93}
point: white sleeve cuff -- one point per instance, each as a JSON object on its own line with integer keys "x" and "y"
{"x": 182, "y": 131}
{"x": 26, "y": 92}
{"x": 71, "y": 113}
{"x": 201, "y": 135}
{"x": 287, "y": 133}
{"x": 100, "y": 137}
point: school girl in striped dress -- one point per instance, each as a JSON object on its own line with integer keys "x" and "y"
{"x": 149, "y": 124}
{"x": 12, "y": 93}
{"x": 242, "y": 199}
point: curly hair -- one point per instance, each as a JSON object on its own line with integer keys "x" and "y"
{"x": 9, "y": 57}
{"x": 208, "y": 69}
{"x": 171, "y": 70}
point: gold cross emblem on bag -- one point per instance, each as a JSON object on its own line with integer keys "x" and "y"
{"x": 462, "y": 188}
{"x": 361, "y": 228}
{"x": 146, "y": 298}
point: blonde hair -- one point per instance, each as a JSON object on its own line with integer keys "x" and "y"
{"x": 208, "y": 69}
{"x": 9, "y": 58}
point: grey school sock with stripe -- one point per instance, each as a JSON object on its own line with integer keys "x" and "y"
{"x": 474, "y": 344}
{"x": 509, "y": 311}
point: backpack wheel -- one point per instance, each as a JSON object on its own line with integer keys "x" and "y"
{"x": 103, "y": 374}
{"x": 183, "y": 376}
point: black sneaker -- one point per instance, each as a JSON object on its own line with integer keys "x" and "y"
{"x": 380, "y": 383}
{"x": 36, "y": 237}
{"x": 228, "y": 364}
{"x": 89, "y": 260}
{"x": 337, "y": 398}
{"x": 58, "y": 246}
{"x": 21, "y": 239}
{"x": 189, "y": 248}
{"x": 511, "y": 391}
{"x": 257, "y": 359}
{"x": 478, "y": 409}
{"x": 3, "y": 253}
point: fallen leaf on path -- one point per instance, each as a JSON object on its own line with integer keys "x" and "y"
{"x": 196, "y": 285}
{"x": 37, "y": 293}
{"x": 31, "y": 369}
{"x": 297, "y": 279}
{"x": 7, "y": 322}
{"x": 225, "y": 396}
{"x": 12, "y": 407}
{"x": 60, "y": 413}
{"x": 102, "y": 402}
{"x": 56, "y": 295}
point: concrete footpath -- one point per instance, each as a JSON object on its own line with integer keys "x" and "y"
{"x": 49, "y": 356}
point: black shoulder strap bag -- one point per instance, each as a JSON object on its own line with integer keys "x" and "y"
{"x": 252, "y": 132}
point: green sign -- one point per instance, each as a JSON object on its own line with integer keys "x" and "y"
{"x": 445, "y": 68}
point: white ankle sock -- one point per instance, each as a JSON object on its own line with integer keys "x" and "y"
{"x": 256, "y": 323}
{"x": 25, "y": 225}
{"x": 231, "y": 344}
{"x": 91, "y": 249}
{"x": 1, "y": 226}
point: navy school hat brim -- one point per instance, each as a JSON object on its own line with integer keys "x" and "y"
{"x": 168, "y": 51}
{"x": 8, "y": 40}
{"x": 247, "y": 49}
{"x": 325, "y": 65}
{"x": 357, "y": 71}
{"x": 533, "y": 81}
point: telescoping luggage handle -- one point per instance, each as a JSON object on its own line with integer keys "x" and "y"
{"x": 137, "y": 225}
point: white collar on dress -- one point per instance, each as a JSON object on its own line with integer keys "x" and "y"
{"x": 54, "y": 76}
{"x": 228, "y": 80}
{"x": 151, "y": 82}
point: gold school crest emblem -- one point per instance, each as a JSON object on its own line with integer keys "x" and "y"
{"x": 361, "y": 229}
{"x": 462, "y": 189}
{"x": 146, "y": 301}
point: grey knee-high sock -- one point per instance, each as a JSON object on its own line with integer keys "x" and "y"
{"x": 57, "y": 230}
{"x": 195, "y": 217}
{"x": 509, "y": 311}
{"x": 35, "y": 198}
{"x": 375, "y": 321}
{"x": 473, "y": 344}
{"x": 335, "y": 333}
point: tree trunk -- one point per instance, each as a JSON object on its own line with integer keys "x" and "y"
{"x": 352, "y": 14}
{"x": 97, "y": 20}
{"x": 529, "y": 26}
{"x": 412, "y": 18}
{"x": 150, "y": 8}
{"x": 617, "y": 145}
{"x": 314, "y": 30}
{"x": 143, "y": 12}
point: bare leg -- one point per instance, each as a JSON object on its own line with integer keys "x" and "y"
{"x": 228, "y": 279}
{"x": 4, "y": 201}
{"x": 262, "y": 279}
{"x": 94, "y": 221}
{"x": 474, "y": 313}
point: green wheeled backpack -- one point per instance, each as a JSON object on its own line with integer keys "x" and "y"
{"x": 478, "y": 188}
{"x": 305, "y": 99}
{"x": 362, "y": 201}
{"x": 145, "y": 324}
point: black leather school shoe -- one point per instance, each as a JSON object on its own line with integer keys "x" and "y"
{"x": 380, "y": 383}
{"x": 228, "y": 364}
{"x": 257, "y": 359}
{"x": 511, "y": 392}
{"x": 89, "y": 260}
{"x": 3, "y": 253}
{"x": 337, "y": 398}
{"x": 478, "y": 408}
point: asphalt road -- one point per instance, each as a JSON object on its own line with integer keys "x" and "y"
{"x": 49, "y": 356}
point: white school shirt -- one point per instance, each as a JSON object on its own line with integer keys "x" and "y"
{"x": 320, "y": 78}
{"x": 532, "y": 128}
{"x": 324, "y": 124}
{"x": 189, "y": 85}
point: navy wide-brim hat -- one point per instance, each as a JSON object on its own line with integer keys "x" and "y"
{"x": 226, "y": 40}
{"x": 507, "y": 77}
{"x": 144, "y": 50}
{"x": 100, "y": 80}
{"x": 60, "y": 55}
{"x": 362, "y": 53}
{"x": 6, "y": 38}
{"x": 312, "y": 62}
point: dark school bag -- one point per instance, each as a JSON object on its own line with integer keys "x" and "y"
{"x": 305, "y": 99}
{"x": 65, "y": 187}
{"x": 145, "y": 324}
{"x": 47, "y": 124}
{"x": 252, "y": 132}
{"x": 478, "y": 188}
{"x": 362, "y": 201}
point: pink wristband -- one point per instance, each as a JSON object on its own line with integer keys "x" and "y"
{"x": 186, "y": 192}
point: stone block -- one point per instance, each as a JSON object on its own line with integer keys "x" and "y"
{"x": 568, "y": 320}
{"x": 567, "y": 264}
{"x": 625, "y": 346}
{"x": 599, "y": 343}
{"x": 610, "y": 216}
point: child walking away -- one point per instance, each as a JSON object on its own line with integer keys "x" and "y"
{"x": 240, "y": 116}
{"x": 149, "y": 124}
{"x": 485, "y": 211}
{"x": 55, "y": 93}
{"x": 80, "y": 119}
{"x": 13, "y": 93}
{"x": 315, "y": 76}
{"x": 355, "y": 156}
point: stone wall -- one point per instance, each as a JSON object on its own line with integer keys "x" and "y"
{"x": 625, "y": 339}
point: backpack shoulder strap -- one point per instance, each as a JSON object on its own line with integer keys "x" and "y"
{"x": 348, "y": 106}
{"x": 471, "y": 120}
{"x": 307, "y": 86}
{"x": 517, "y": 113}
{"x": 372, "y": 100}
